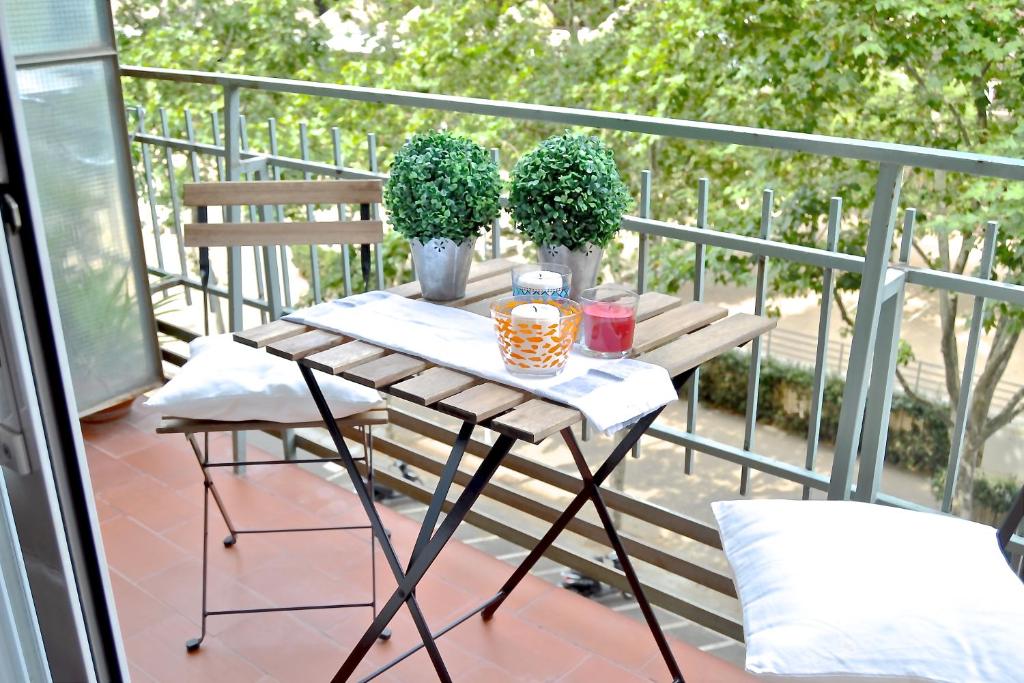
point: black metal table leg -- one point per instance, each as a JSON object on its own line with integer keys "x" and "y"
{"x": 366, "y": 499}
{"x": 444, "y": 484}
{"x": 594, "y": 492}
{"x": 407, "y": 583}
{"x": 618, "y": 453}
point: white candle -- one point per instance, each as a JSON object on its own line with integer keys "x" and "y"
{"x": 535, "y": 314}
{"x": 540, "y": 282}
{"x": 531, "y": 323}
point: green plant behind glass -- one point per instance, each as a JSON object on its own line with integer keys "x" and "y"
{"x": 442, "y": 186}
{"x": 567, "y": 191}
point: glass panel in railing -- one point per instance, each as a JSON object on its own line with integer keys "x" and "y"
{"x": 86, "y": 204}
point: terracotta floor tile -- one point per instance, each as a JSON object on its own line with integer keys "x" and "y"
{"x": 138, "y": 675}
{"x": 285, "y": 648}
{"x": 160, "y": 652}
{"x": 137, "y": 610}
{"x": 118, "y": 438}
{"x": 150, "y": 502}
{"x": 170, "y": 461}
{"x": 137, "y": 552}
{"x": 181, "y": 588}
{"x": 518, "y": 646}
{"x": 106, "y": 471}
{"x": 595, "y": 669}
{"x": 698, "y": 667}
{"x": 565, "y": 614}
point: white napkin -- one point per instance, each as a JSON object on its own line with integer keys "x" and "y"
{"x": 611, "y": 393}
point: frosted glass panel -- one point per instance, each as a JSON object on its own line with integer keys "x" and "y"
{"x": 37, "y": 26}
{"x": 77, "y": 159}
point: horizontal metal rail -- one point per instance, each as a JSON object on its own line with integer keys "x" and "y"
{"x": 822, "y": 145}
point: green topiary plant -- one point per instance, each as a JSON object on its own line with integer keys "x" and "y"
{"x": 568, "y": 192}
{"x": 442, "y": 186}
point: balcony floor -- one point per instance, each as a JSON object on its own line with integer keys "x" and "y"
{"x": 149, "y": 500}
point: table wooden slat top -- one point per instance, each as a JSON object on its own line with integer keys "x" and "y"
{"x": 430, "y": 386}
{"x": 337, "y": 359}
{"x": 675, "y": 335}
{"x": 482, "y": 401}
{"x": 258, "y": 337}
{"x": 385, "y": 371}
{"x": 673, "y": 323}
{"x": 304, "y": 344}
{"x": 692, "y": 349}
{"x": 536, "y": 420}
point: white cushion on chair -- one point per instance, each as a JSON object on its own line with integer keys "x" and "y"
{"x": 224, "y": 380}
{"x": 852, "y": 591}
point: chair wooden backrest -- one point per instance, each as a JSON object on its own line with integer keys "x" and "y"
{"x": 281, "y": 192}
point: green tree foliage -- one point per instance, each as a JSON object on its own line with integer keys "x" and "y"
{"x": 927, "y": 72}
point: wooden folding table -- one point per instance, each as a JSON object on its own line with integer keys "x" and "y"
{"x": 675, "y": 335}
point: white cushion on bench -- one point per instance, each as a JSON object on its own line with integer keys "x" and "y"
{"x": 849, "y": 591}
{"x": 224, "y": 380}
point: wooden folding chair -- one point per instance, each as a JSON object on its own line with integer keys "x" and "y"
{"x": 204, "y": 235}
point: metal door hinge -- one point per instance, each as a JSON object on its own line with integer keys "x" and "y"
{"x": 11, "y": 214}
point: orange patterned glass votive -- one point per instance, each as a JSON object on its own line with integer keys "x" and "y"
{"x": 535, "y": 333}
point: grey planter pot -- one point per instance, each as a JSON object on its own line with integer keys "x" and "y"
{"x": 584, "y": 263}
{"x": 442, "y": 267}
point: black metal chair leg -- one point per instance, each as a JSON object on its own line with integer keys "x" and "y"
{"x": 202, "y": 457}
{"x": 193, "y": 645}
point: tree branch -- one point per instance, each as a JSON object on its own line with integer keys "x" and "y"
{"x": 925, "y": 256}
{"x": 957, "y": 119}
{"x": 906, "y": 387}
{"x": 1013, "y": 408}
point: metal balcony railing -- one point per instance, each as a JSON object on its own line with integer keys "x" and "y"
{"x": 869, "y": 357}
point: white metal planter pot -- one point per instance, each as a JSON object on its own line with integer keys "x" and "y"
{"x": 584, "y": 263}
{"x": 442, "y": 267}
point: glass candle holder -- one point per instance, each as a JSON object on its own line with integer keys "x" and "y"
{"x": 548, "y": 280}
{"x": 535, "y": 333}
{"x": 609, "y": 320}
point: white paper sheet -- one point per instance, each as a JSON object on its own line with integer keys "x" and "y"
{"x": 611, "y": 393}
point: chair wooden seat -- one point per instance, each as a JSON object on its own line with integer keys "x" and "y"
{"x": 184, "y": 425}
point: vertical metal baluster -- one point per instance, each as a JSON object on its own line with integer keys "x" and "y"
{"x": 828, "y": 285}
{"x": 645, "y": 212}
{"x": 865, "y": 329}
{"x": 346, "y": 264}
{"x": 314, "y": 250}
{"x": 693, "y": 395}
{"x": 147, "y": 165}
{"x": 286, "y": 278}
{"x": 193, "y": 162}
{"x": 193, "y": 158}
{"x": 496, "y": 223}
{"x": 371, "y": 147}
{"x": 215, "y": 126}
{"x": 232, "y": 163}
{"x": 967, "y": 379}
{"x": 641, "y": 269}
{"x": 172, "y": 188}
{"x": 254, "y": 217}
{"x": 754, "y": 379}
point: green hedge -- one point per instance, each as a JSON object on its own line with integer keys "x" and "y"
{"x": 918, "y": 435}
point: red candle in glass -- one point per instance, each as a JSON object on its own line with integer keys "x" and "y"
{"x": 608, "y": 327}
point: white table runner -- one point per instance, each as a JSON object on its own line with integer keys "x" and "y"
{"x": 612, "y": 394}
